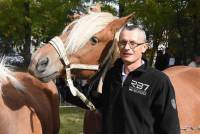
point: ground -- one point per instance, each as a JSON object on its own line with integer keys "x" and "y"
{"x": 71, "y": 119}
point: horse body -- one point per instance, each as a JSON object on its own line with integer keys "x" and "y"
{"x": 27, "y": 105}
{"x": 186, "y": 81}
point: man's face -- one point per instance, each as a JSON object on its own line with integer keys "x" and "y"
{"x": 131, "y": 45}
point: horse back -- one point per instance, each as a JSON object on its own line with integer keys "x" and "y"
{"x": 186, "y": 82}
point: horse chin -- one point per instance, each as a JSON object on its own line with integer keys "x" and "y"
{"x": 83, "y": 74}
{"x": 49, "y": 77}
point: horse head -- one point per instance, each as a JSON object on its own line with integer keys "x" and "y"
{"x": 85, "y": 41}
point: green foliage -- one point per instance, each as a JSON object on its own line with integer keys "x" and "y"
{"x": 50, "y": 17}
{"x": 174, "y": 22}
{"x": 47, "y": 18}
{"x": 11, "y": 23}
{"x": 107, "y": 8}
{"x": 153, "y": 16}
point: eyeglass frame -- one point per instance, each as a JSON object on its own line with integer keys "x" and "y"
{"x": 132, "y": 44}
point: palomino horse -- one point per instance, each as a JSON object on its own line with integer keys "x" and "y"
{"x": 27, "y": 106}
{"x": 83, "y": 42}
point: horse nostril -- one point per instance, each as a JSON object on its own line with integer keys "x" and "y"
{"x": 42, "y": 64}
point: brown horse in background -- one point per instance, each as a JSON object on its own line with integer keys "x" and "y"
{"x": 27, "y": 106}
{"x": 81, "y": 46}
{"x": 186, "y": 81}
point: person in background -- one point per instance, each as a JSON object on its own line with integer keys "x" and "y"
{"x": 165, "y": 59}
{"x": 162, "y": 60}
{"x": 195, "y": 62}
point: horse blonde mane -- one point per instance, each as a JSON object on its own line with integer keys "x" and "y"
{"x": 6, "y": 75}
{"x": 84, "y": 28}
{"x": 115, "y": 54}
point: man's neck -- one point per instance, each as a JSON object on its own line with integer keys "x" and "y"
{"x": 132, "y": 66}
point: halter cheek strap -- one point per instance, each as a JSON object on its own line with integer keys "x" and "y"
{"x": 57, "y": 43}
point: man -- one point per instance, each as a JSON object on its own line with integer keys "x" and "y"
{"x": 137, "y": 99}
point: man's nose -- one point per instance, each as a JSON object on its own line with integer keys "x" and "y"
{"x": 127, "y": 46}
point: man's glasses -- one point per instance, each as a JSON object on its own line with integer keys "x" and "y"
{"x": 132, "y": 44}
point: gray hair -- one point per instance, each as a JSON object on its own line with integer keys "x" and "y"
{"x": 131, "y": 27}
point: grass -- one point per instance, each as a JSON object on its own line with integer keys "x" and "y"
{"x": 71, "y": 119}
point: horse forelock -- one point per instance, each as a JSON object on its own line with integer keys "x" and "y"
{"x": 84, "y": 28}
{"x": 6, "y": 74}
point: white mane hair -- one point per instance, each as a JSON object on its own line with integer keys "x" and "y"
{"x": 6, "y": 75}
{"x": 84, "y": 28}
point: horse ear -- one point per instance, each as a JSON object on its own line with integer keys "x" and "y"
{"x": 118, "y": 23}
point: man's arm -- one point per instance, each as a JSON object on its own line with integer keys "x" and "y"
{"x": 165, "y": 109}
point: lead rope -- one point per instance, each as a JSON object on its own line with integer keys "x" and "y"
{"x": 107, "y": 61}
{"x": 76, "y": 92}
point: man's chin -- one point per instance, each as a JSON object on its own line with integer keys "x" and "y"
{"x": 128, "y": 60}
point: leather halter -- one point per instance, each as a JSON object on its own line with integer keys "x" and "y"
{"x": 57, "y": 43}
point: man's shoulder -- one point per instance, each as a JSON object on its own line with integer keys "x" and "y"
{"x": 160, "y": 80}
{"x": 156, "y": 74}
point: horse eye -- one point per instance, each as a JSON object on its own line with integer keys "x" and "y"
{"x": 94, "y": 40}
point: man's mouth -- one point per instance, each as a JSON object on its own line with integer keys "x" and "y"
{"x": 127, "y": 54}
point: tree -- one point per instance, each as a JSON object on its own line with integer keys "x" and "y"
{"x": 27, "y": 32}
{"x": 169, "y": 21}
{"x": 26, "y": 19}
{"x": 172, "y": 22}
